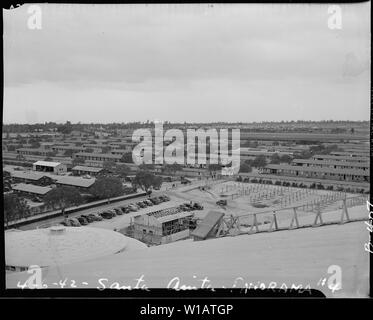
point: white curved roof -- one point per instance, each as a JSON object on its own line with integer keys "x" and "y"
{"x": 47, "y": 163}
{"x": 44, "y": 248}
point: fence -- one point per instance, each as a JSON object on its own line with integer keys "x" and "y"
{"x": 293, "y": 217}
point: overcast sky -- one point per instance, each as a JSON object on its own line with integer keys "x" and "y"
{"x": 120, "y": 63}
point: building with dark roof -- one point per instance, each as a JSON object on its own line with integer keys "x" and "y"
{"x": 31, "y": 189}
{"x": 83, "y": 170}
{"x": 316, "y": 172}
{"x": 331, "y": 164}
{"x": 98, "y": 156}
{"x": 328, "y": 157}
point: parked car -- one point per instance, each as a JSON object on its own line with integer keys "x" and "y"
{"x": 106, "y": 215}
{"x": 96, "y": 217}
{"x": 132, "y": 207}
{"x": 125, "y": 209}
{"x": 112, "y": 211}
{"x": 165, "y": 198}
{"x": 161, "y": 199}
{"x": 141, "y": 204}
{"x": 88, "y": 218}
{"x": 155, "y": 200}
{"x": 184, "y": 207}
{"x": 148, "y": 202}
{"x": 74, "y": 222}
{"x": 189, "y": 205}
{"x": 118, "y": 211}
{"x": 198, "y": 206}
{"x": 83, "y": 221}
{"x": 221, "y": 202}
{"x": 67, "y": 223}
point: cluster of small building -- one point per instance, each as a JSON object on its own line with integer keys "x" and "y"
{"x": 43, "y": 177}
{"x": 75, "y": 159}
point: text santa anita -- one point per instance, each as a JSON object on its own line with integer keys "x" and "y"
{"x": 203, "y": 283}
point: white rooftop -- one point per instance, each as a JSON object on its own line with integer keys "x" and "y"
{"x": 47, "y": 163}
{"x": 43, "y": 248}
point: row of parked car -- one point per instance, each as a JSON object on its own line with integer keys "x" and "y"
{"x": 85, "y": 219}
{"x": 190, "y": 206}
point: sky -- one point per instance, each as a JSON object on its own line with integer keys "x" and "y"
{"x": 193, "y": 63}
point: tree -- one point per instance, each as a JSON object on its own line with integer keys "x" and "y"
{"x": 122, "y": 171}
{"x": 109, "y": 166}
{"x": 7, "y": 181}
{"x": 157, "y": 183}
{"x": 275, "y": 159}
{"x": 259, "y": 161}
{"x": 286, "y": 158}
{"x": 127, "y": 158}
{"x": 245, "y": 168}
{"x": 14, "y": 208}
{"x": 66, "y": 128}
{"x": 63, "y": 197}
{"x": 107, "y": 187}
{"x": 145, "y": 180}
